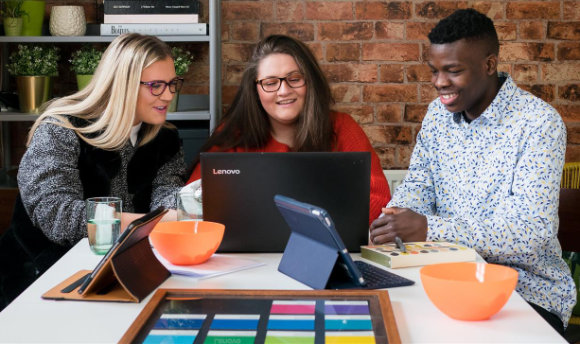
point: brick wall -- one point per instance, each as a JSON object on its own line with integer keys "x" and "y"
{"x": 373, "y": 53}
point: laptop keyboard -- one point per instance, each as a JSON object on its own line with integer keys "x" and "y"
{"x": 378, "y": 278}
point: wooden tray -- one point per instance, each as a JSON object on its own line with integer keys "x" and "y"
{"x": 249, "y": 316}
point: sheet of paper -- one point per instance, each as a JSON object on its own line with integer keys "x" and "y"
{"x": 218, "y": 264}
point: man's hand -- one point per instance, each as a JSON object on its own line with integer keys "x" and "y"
{"x": 402, "y": 222}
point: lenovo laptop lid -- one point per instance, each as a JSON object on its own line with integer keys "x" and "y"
{"x": 239, "y": 189}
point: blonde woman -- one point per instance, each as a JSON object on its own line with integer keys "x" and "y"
{"x": 110, "y": 139}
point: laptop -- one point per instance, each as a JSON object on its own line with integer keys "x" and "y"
{"x": 239, "y": 189}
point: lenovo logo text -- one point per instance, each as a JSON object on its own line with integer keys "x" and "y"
{"x": 214, "y": 171}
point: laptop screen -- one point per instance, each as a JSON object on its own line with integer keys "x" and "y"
{"x": 239, "y": 189}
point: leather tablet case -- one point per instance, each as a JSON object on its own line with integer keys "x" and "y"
{"x": 128, "y": 273}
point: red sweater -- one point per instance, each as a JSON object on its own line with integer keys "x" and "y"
{"x": 349, "y": 138}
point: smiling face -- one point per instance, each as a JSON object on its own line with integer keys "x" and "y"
{"x": 285, "y": 105}
{"x": 153, "y": 109}
{"x": 465, "y": 76}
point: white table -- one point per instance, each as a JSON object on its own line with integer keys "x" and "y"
{"x": 30, "y": 319}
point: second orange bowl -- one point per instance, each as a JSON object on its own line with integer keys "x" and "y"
{"x": 181, "y": 243}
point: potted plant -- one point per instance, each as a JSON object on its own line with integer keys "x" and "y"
{"x": 33, "y": 66}
{"x": 12, "y": 13}
{"x": 84, "y": 63}
{"x": 182, "y": 59}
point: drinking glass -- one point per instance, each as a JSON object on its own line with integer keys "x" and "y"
{"x": 103, "y": 222}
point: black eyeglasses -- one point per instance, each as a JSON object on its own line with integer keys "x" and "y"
{"x": 157, "y": 87}
{"x": 293, "y": 80}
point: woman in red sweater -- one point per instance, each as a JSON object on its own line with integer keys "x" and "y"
{"x": 283, "y": 105}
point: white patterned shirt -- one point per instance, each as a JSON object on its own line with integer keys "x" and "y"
{"x": 493, "y": 184}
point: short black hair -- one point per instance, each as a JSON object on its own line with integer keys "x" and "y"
{"x": 465, "y": 23}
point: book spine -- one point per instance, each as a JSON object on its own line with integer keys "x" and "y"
{"x": 150, "y": 18}
{"x": 147, "y": 29}
{"x": 375, "y": 256}
{"x": 151, "y": 7}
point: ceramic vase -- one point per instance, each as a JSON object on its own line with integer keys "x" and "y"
{"x": 67, "y": 21}
{"x": 172, "y": 107}
{"x": 34, "y": 18}
{"x": 33, "y": 91}
{"x": 12, "y": 26}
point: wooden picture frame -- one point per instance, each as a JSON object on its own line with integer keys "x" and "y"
{"x": 264, "y": 308}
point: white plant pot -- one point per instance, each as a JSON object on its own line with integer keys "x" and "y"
{"x": 67, "y": 21}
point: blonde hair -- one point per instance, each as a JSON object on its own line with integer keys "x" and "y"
{"x": 109, "y": 101}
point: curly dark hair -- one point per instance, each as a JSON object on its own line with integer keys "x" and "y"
{"x": 465, "y": 23}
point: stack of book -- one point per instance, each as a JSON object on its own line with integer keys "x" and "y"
{"x": 152, "y": 17}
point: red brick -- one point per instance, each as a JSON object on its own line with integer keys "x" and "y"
{"x": 390, "y": 93}
{"x": 342, "y": 52}
{"x": 571, "y": 10}
{"x": 573, "y": 133}
{"x": 513, "y": 51}
{"x": 233, "y": 74}
{"x": 564, "y": 30}
{"x": 316, "y": 49}
{"x": 504, "y": 67}
{"x": 246, "y": 31}
{"x": 569, "y": 92}
{"x": 390, "y": 30}
{"x": 390, "y": 52}
{"x": 418, "y": 30}
{"x": 525, "y": 73}
{"x": 228, "y": 93}
{"x": 387, "y": 157}
{"x": 568, "y": 51}
{"x": 389, "y": 113}
{"x": 247, "y": 10}
{"x": 360, "y": 113}
{"x": 573, "y": 153}
{"x": 561, "y": 72}
{"x": 290, "y": 11}
{"x": 391, "y": 73}
{"x": 327, "y": 10}
{"x": 494, "y": 10}
{"x": 533, "y": 10}
{"x": 544, "y": 92}
{"x": 415, "y": 112}
{"x": 302, "y": 31}
{"x": 389, "y": 134}
{"x": 344, "y": 93}
{"x": 236, "y": 52}
{"x": 380, "y": 10}
{"x": 403, "y": 154}
{"x": 345, "y": 31}
{"x": 569, "y": 113}
{"x": 532, "y": 30}
{"x": 506, "y": 31}
{"x": 428, "y": 93}
{"x": 437, "y": 9}
{"x": 350, "y": 72}
{"x": 418, "y": 73}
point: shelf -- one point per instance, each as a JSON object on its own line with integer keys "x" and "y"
{"x": 198, "y": 115}
{"x": 83, "y": 39}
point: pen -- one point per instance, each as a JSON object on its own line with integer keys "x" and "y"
{"x": 400, "y": 244}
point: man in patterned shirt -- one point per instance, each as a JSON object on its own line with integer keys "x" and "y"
{"x": 486, "y": 168}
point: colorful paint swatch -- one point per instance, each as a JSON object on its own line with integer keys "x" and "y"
{"x": 170, "y": 336}
{"x": 235, "y": 322}
{"x": 180, "y": 321}
{"x": 293, "y": 307}
{"x": 289, "y": 337}
{"x": 355, "y": 337}
{"x": 348, "y": 323}
{"x": 291, "y": 322}
{"x": 238, "y": 337}
{"x": 346, "y": 307}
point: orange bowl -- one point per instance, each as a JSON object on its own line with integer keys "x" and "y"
{"x": 469, "y": 291}
{"x": 181, "y": 244}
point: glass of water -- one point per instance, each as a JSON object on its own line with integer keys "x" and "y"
{"x": 189, "y": 206}
{"x": 103, "y": 222}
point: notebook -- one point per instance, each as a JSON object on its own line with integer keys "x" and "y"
{"x": 239, "y": 188}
